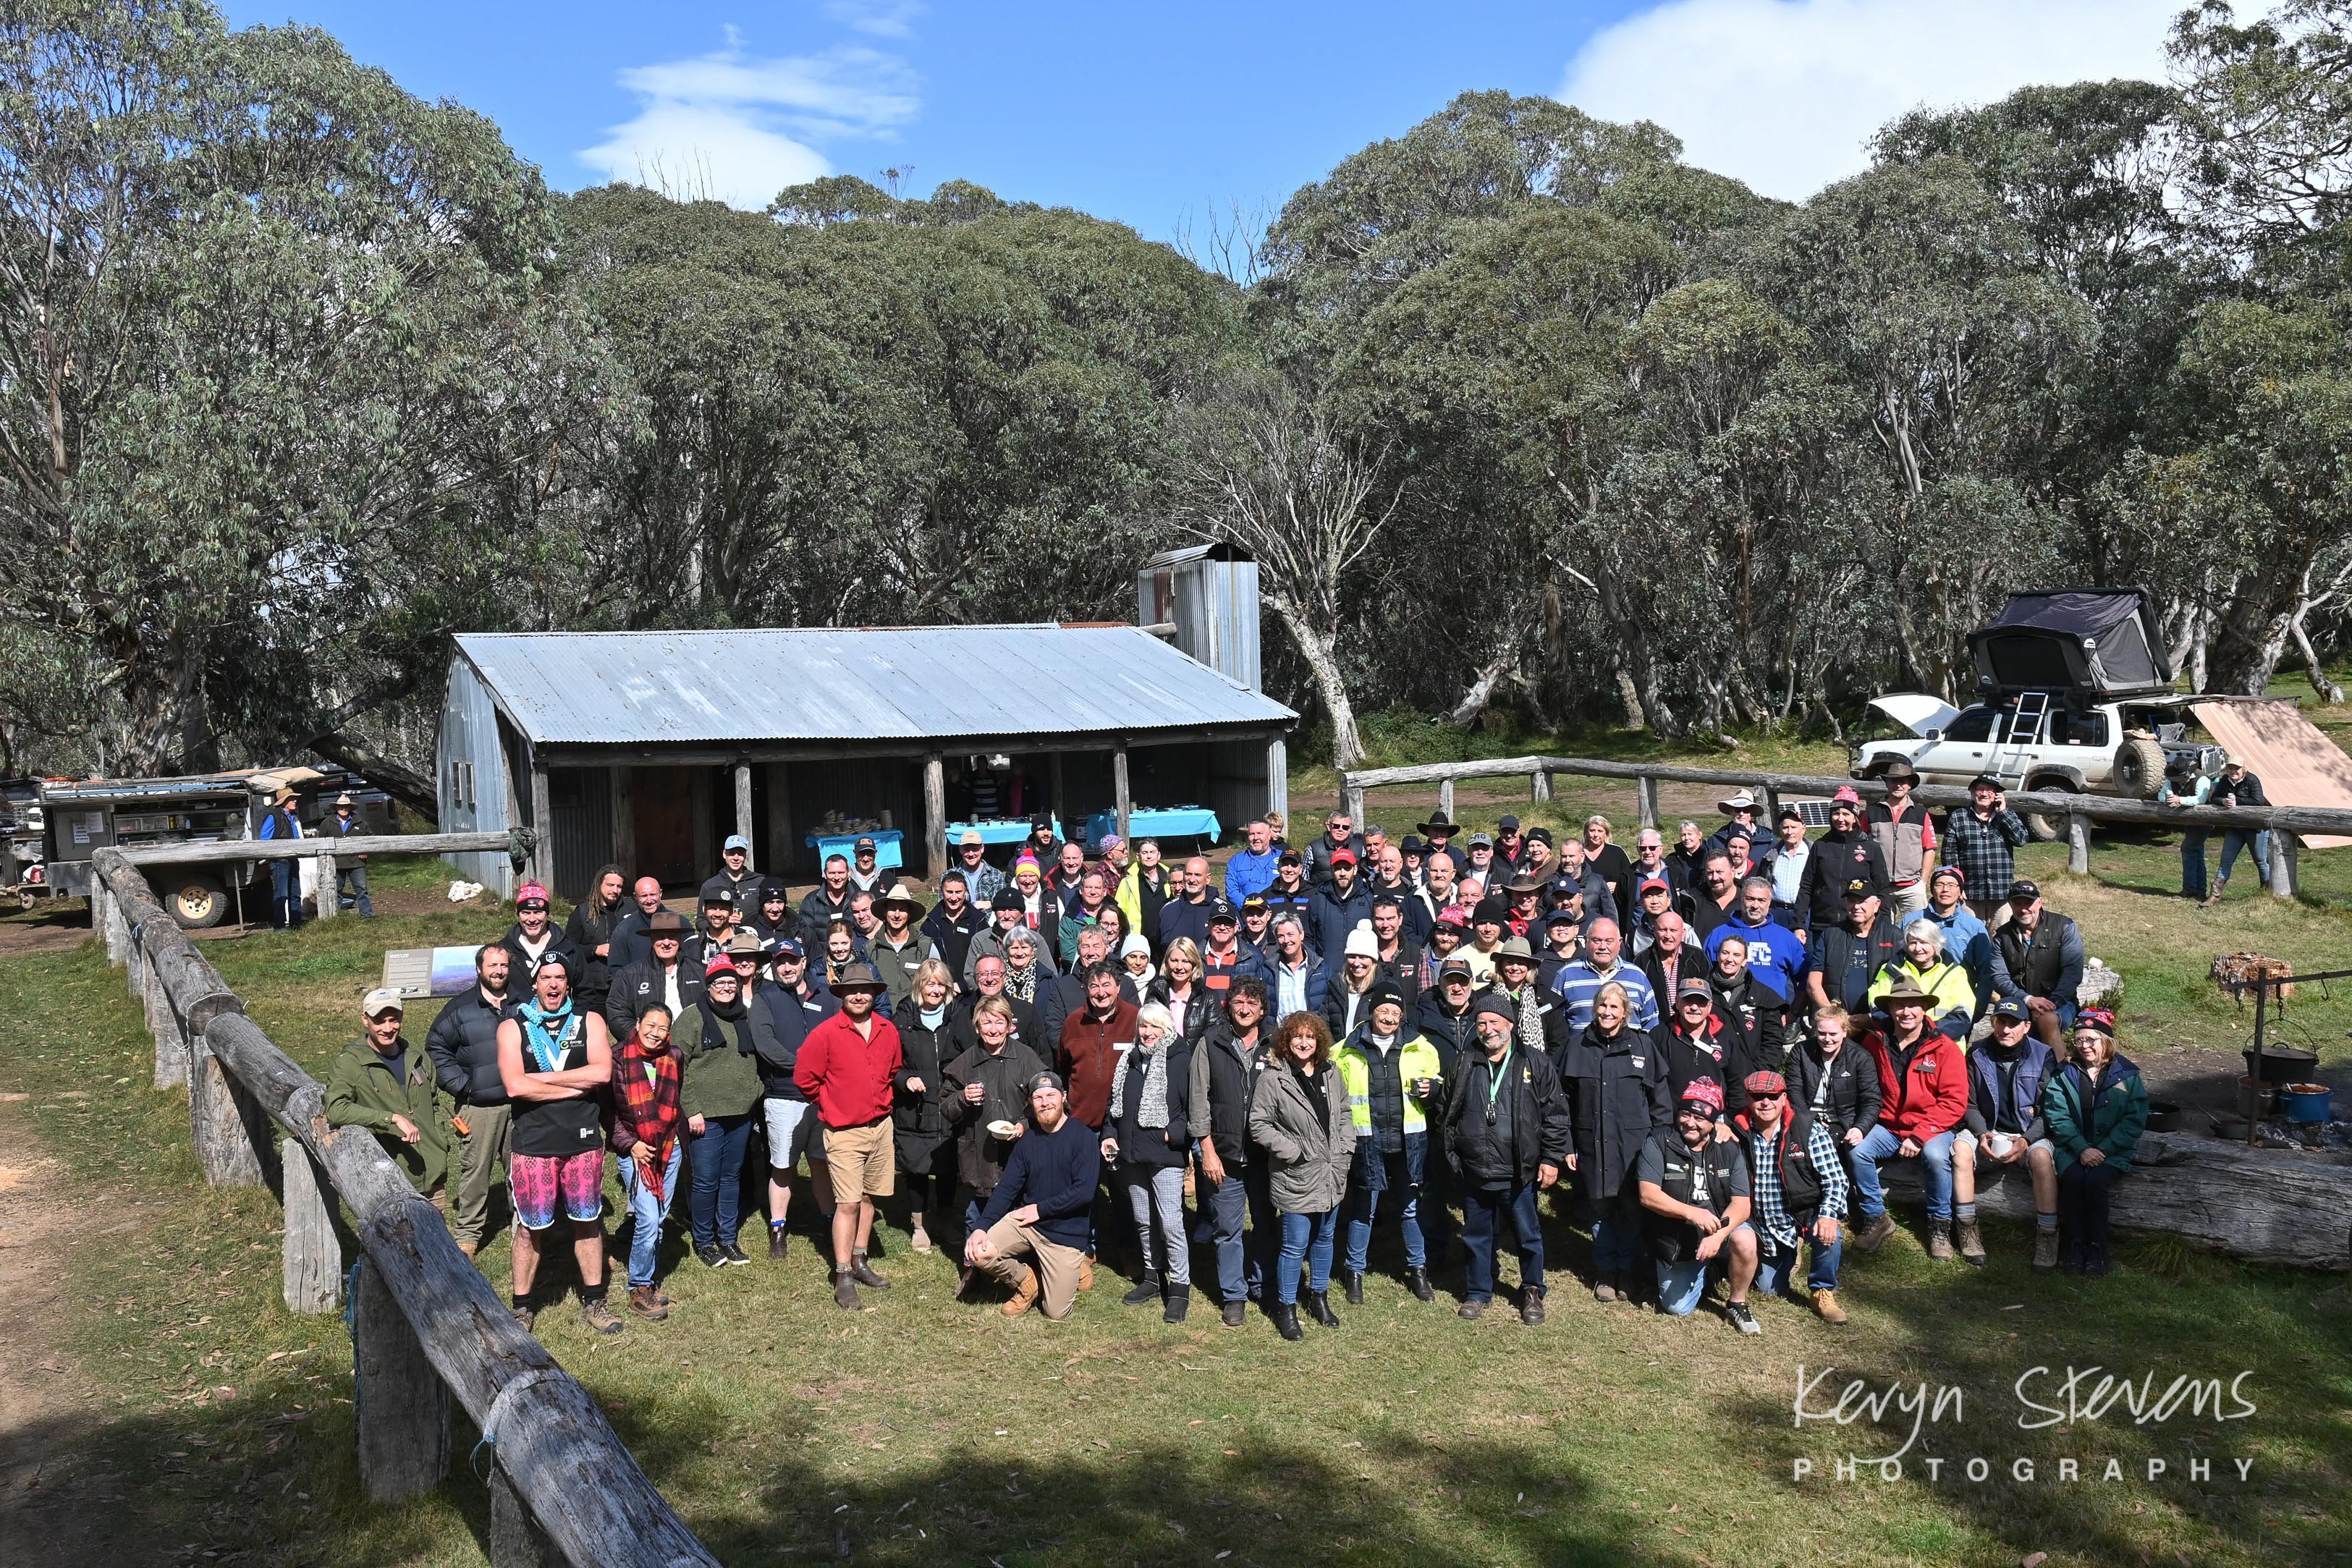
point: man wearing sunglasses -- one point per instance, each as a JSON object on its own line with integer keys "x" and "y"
{"x": 1797, "y": 1185}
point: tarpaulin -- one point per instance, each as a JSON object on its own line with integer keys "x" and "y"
{"x": 2298, "y": 765}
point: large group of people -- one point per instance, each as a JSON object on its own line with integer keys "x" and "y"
{"x": 1710, "y": 1055}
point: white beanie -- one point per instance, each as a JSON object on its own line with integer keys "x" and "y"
{"x": 1361, "y": 943}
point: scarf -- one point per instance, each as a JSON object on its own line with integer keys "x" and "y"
{"x": 1021, "y": 983}
{"x": 548, "y": 1034}
{"x": 1151, "y": 1110}
{"x": 734, "y": 1013}
{"x": 932, "y": 1017}
{"x": 649, "y": 1087}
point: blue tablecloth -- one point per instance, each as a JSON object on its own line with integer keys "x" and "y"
{"x": 1002, "y": 831}
{"x": 887, "y": 850}
{"x": 1167, "y": 823}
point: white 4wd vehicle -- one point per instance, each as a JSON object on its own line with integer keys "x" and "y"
{"x": 2074, "y": 695}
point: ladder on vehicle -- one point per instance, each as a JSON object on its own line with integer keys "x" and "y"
{"x": 2024, "y": 729}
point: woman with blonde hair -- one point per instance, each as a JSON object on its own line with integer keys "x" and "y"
{"x": 1299, "y": 1115}
{"x": 921, "y": 1136}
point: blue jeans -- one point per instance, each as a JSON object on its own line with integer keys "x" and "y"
{"x": 1305, "y": 1237}
{"x": 1935, "y": 1170}
{"x": 1241, "y": 1265}
{"x": 1484, "y": 1211}
{"x": 1776, "y": 1266}
{"x": 1363, "y": 1208}
{"x": 717, "y": 1159}
{"x": 647, "y": 1213}
{"x": 1682, "y": 1286}
{"x": 356, "y": 876}
{"x": 2192, "y": 863}
{"x": 285, "y": 895}
{"x": 2234, "y": 840}
{"x": 1616, "y": 1235}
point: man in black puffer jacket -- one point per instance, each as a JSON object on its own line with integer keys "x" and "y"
{"x": 464, "y": 1046}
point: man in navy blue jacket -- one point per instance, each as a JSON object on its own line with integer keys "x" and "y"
{"x": 1041, "y": 1206}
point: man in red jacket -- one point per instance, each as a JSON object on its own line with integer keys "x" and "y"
{"x": 1923, "y": 1080}
{"x": 1088, "y": 1054}
{"x": 849, "y": 1064}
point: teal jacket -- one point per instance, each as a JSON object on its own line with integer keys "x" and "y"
{"x": 2109, "y": 1116}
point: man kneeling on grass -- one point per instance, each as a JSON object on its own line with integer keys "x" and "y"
{"x": 1697, "y": 1191}
{"x": 1041, "y": 1206}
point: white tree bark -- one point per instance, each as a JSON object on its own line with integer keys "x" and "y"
{"x": 1323, "y": 663}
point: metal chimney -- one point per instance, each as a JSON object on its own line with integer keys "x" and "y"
{"x": 1203, "y": 597}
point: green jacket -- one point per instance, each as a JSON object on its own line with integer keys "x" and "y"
{"x": 2112, "y": 1120}
{"x": 721, "y": 1083}
{"x": 1418, "y": 1059}
{"x": 366, "y": 1089}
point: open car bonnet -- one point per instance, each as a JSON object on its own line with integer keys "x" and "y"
{"x": 1917, "y": 711}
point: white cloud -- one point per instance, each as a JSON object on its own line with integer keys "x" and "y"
{"x": 1784, "y": 93}
{"x": 883, "y": 18}
{"x": 741, "y": 128}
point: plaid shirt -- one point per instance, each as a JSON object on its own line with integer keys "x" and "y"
{"x": 1771, "y": 1215}
{"x": 1983, "y": 850}
{"x": 648, "y": 1086}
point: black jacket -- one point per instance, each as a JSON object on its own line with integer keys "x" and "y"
{"x": 1222, "y": 1115}
{"x": 788, "y": 1018}
{"x": 522, "y": 969}
{"x": 588, "y": 928}
{"x": 640, "y": 985}
{"x": 464, "y": 1046}
{"x": 1530, "y": 1107}
{"x": 951, "y": 935}
{"x": 1154, "y": 1147}
{"x": 1201, "y": 1012}
{"x": 1721, "y": 1051}
{"x": 1839, "y": 859}
{"x": 919, "y": 1117}
{"x": 1616, "y": 1097}
{"x": 1760, "y": 1015}
{"x": 2247, "y": 792}
{"x": 1853, "y": 1094}
{"x": 1454, "y": 1037}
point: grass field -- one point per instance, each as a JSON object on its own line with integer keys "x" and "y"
{"x": 928, "y": 1431}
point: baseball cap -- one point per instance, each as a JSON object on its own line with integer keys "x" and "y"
{"x": 718, "y": 964}
{"x": 1657, "y": 884}
{"x": 1563, "y": 916}
{"x": 2009, "y": 1008}
{"x": 1453, "y": 969}
{"x": 788, "y": 948}
{"x": 1857, "y": 888}
{"x": 1789, "y": 814}
{"x": 1692, "y": 986}
{"x": 1290, "y": 857}
{"x": 1482, "y": 838}
{"x": 1044, "y": 1080}
{"x": 384, "y": 998}
{"x": 2024, "y": 891}
{"x": 1220, "y": 910}
{"x": 972, "y": 836}
{"x": 865, "y": 844}
{"x": 1507, "y": 825}
{"x": 719, "y": 889}
{"x": 1343, "y": 857}
{"x": 736, "y": 842}
{"x": 1255, "y": 900}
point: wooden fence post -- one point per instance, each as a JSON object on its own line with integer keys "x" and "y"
{"x": 516, "y": 1539}
{"x": 101, "y": 920}
{"x": 2279, "y": 872}
{"x": 2078, "y": 844}
{"x": 329, "y": 895}
{"x": 171, "y": 1041}
{"x": 227, "y": 1143}
{"x": 314, "y": 1247}
{"x": 1351, "y": 795}
{"x": 1645, "y": 801}
{"x": 1540, "y": 787}
{"x": 401, "y": 1404}
{"x": 1444, "y": 798}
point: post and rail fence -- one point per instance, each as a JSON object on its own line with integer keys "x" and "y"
{"x": 427, "y": 1326}
{"x": 2076, "y": 811}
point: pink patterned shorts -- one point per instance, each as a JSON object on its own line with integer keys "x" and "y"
{"x": 538, "y": 1180}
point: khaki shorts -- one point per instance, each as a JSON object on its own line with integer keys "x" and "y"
{"x": 863, "y": 1160}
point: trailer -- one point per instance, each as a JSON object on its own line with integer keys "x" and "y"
{"x": 81, "y": 816}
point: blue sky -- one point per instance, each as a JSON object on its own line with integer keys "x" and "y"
{"x": 1158, "y": 115}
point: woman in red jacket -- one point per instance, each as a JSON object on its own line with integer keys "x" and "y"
{"x": 1923, "y": 1080}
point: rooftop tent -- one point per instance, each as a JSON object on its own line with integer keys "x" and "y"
{"x": 2095, "y": 641}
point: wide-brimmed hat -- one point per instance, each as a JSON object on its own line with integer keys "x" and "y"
{"x": 665, "y": 923}
{"x": 1897, "y": 769}
{"x": 904, "y": 896}
{"x": 1514, "y": 948}
{"x": 1521, "y": 885}
{"x": 1904, "y": 990}
{"x": 1438, "y": 822}
{"x": 859, "y": 977}
{"x": 1742, "y": 801}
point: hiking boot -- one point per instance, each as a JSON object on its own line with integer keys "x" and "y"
{"x": 1627, "y": 1292}
{"x": 863, "y": 1272}
{"x": 1146, "y": 1291}
{"x": 2214, "y": 897}
{"x": 1417, "y": 1281}
{"x": 2096, "y": 1264}
{"x": 1826, "y": 1304}
{"x": 1605, "y": 1288}
{"x": 1531, "y": 1308}
{"x": 735, "y": 1255}
{"x": 712, "y": 1257}
{"x": 1472, "y": 1308}
{"x": 2045, "y": 1251}
{"x": 1354, "y": 1283}
{"x": 844, "y": 1294}
{"x": 1236, "y": 1314}
{"x": 1740, "y": 1318}
{"x": 599, "y": 1317}
{"x": 1318, "y": 1307}
{"x": 1024, "y": 1294}
{"x": 775, "y": 1243}
{"x": 1972, "y": 1242}
{"x": 645, "y": 1303}
{"x": 527, "y": 1316}
{"x": 1286, "y": 1321}
{"x": 1874, "y": 1235}
{"x": 1180, "y": 1300}
{"x": 1940, "y": 1240}
{"x": 1086, "y": 1272}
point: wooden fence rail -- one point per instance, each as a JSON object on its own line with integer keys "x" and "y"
{"x": 2076, "y": 811}
{"x": 427, "y": 1326}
